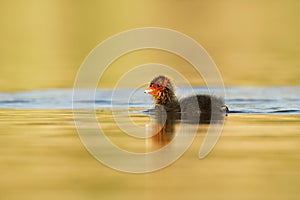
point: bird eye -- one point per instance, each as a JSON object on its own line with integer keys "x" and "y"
{"x": 158, "y": 85}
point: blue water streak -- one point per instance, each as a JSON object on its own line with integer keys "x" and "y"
{"x": 249, "y": 100}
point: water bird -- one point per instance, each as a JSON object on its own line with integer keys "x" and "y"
{"x": 199, "y": 108}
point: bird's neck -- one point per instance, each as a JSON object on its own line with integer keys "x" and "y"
{"x": 167, "y": 98}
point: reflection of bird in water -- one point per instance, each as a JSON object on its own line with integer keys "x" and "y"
{"x": 163, "y": 129}
{"x": 194, "y": 109}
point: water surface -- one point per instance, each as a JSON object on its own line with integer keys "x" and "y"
{"x": 256, "y": 157}
{"x": 264, "y": 100}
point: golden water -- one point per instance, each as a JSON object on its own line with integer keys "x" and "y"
{"x": 42, "y": 157}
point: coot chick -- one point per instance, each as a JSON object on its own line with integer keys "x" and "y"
{"x": 196, "y": 109}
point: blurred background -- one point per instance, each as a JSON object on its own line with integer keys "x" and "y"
{"x": 44, "y": 42}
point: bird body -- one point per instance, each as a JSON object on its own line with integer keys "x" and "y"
{"x": 197, "y": 108}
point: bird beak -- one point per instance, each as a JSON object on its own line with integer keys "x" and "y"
{"x": 148, "y": 91}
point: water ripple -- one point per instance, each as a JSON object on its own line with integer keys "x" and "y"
{"x": 247, "y": 100}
